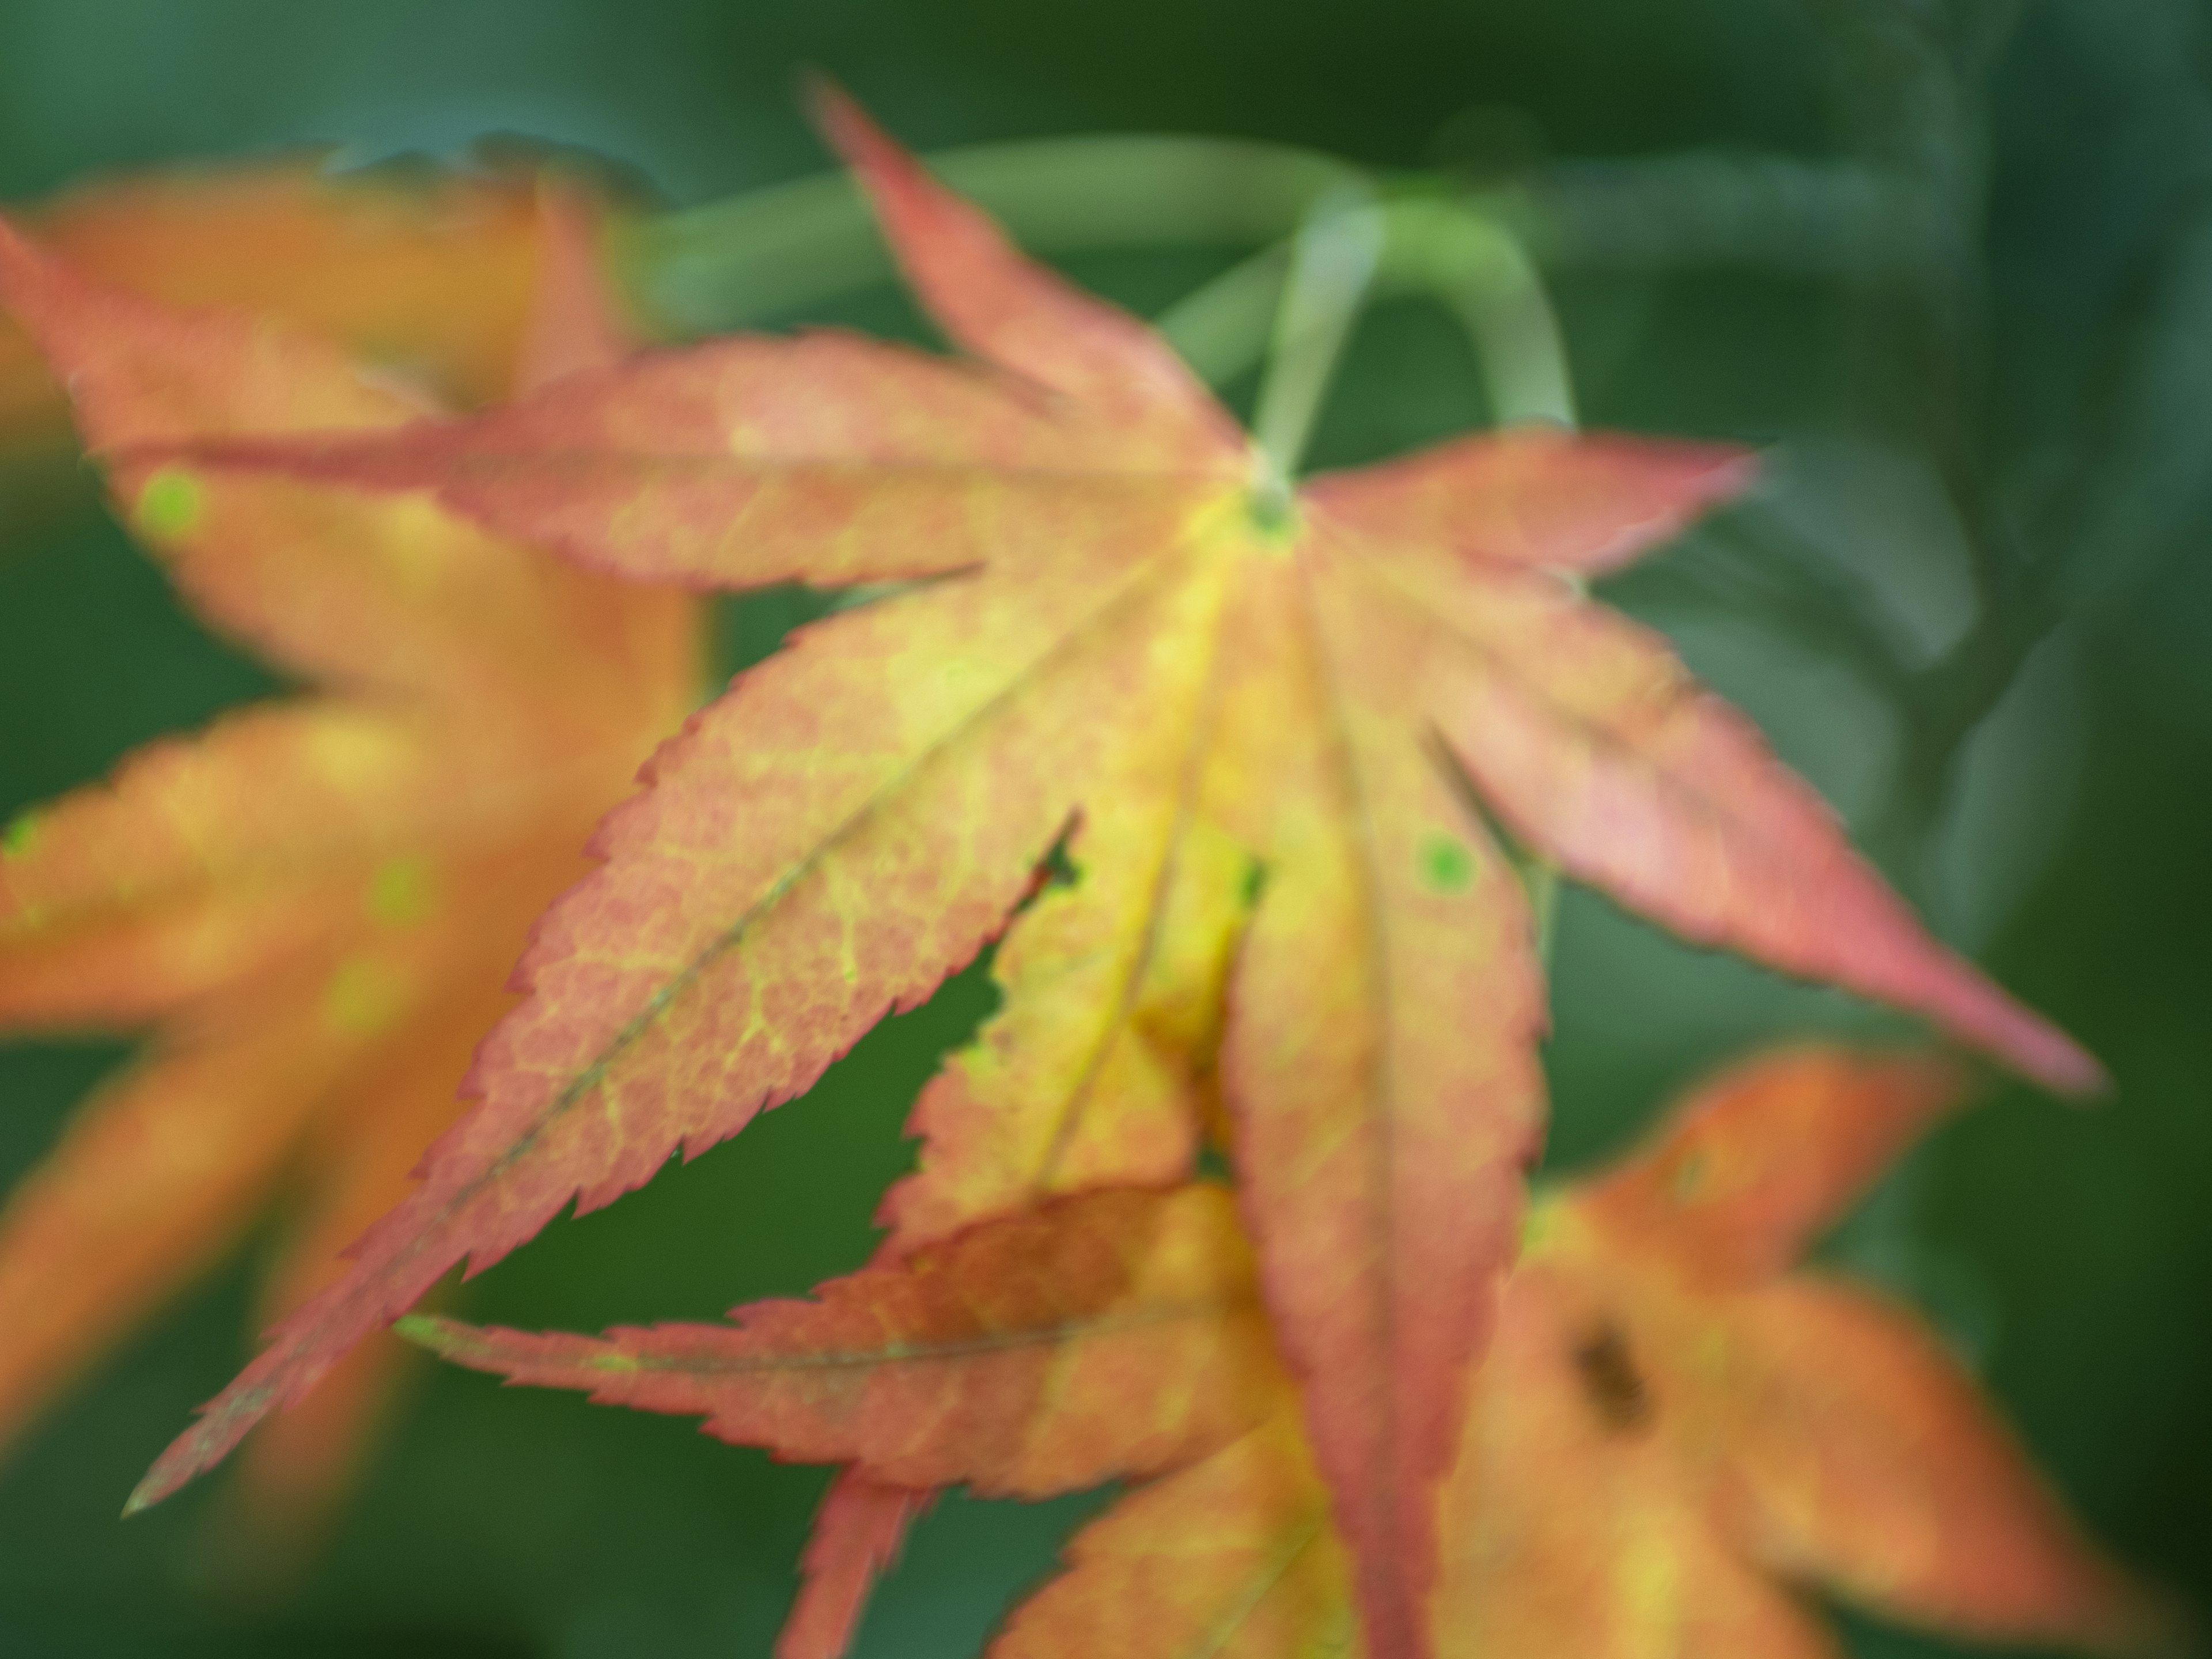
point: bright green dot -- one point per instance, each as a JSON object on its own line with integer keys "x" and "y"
{"x": 365, "y": 996}
{"x": 171, "y": 504}
{"x": 1256, "y": 882}
{"x": 1271, "y": 508}
{"x": 21, "y": 836}
{"x": 403, "y": 892}
{"x": 1539, "y": 1223}
{"x": 1446, "y": 866}
{"x": 615, "y": 1361}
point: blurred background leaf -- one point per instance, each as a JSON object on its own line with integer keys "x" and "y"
{"x": 1950, "y": 263}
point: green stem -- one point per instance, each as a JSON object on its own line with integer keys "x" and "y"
{"x": 760, "y": 256}
{"x": 1331, "y": 270}
{"x": 1453, "y": 252}
{"x": 764, "y": 254}
{"x": 1480, "y": 271}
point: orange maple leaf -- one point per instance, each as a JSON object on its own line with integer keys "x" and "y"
{"x": 1671, "y": 1435}
{"x": 433, "y": 276}
{"x": 1261, "y": 726}
{"x": 1671, "y": 1438}
{"x": 315, "y": 904}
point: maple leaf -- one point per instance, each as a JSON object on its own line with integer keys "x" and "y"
{"x": 1220, "y": 705}
{"x": 433, "y": 275}
{"x": 1668, "y": 1425}
{"x": 315, "y": 902}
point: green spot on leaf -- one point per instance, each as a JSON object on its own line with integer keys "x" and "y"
{"x": 1539, "y": 1223}
{"x": 1272, "y": 510}
{"x": 1447, "y": 866}
{"x": 22, "y": 835}
{"x": 403, "y": 892}
{"x": 1256, "y": 882}
{"x": 171, "y": 504}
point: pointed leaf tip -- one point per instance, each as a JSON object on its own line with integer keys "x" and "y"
{"x": 996, "y": 303}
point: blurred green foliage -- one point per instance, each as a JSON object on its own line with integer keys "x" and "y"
{"x": 2022, "y": 419}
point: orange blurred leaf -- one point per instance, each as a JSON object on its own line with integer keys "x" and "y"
{"x": 433, "y": 275}
{"x": 315, "y": 904}
{"x": 1672, "y": 1436}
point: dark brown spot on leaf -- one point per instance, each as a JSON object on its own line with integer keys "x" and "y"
{"x": 1616, "y": 1387}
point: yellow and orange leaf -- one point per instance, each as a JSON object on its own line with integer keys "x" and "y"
{"x": 315, "y": 904}
{"x": 1254, "y": 712}
{"x": 1800, "y": 1427}
{"x": 1233, "y": 1557}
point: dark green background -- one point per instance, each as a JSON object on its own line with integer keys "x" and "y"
{"x": 2069, "y": 1252}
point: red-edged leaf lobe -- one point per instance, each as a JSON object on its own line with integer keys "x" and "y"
{"x": 1747, "y": 1171}
{"x": 1379, "y": 1064}
{"x": 1589, "y": 738}
{"x": 1535, "y": 496}
{"x": 1233, "y": 1558}
{"x": 745, "y": 462}
{"x": 1110, "y": 1335}
{"x": 1011, "y": 312}
{"x": 858, "y": 1533}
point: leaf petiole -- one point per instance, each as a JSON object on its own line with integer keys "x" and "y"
{"x": 1332, "y": 269}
